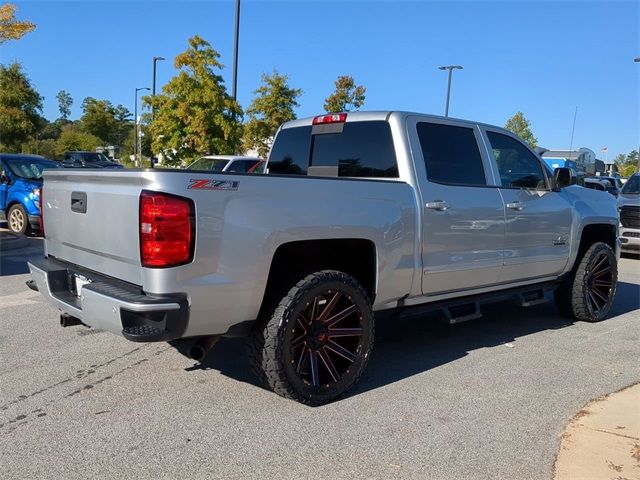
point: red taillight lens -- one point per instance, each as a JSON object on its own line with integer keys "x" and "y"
{"x": 41, "y": 203}
{"x": 331, "y": 118}
{"x": 167, "y": 230}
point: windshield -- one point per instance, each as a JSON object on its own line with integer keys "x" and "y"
{"x": 632, "y": 185}
{"x": 29, "y": 170}
{"x": 213, "y": 164}
{"x": 95, "y": 157}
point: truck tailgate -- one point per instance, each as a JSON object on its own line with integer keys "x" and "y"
{"x": 91, "y": 219}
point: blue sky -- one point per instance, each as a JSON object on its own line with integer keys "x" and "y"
{"x": 544, "y": 58}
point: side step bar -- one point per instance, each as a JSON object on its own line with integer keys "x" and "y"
{"x": 468, "y": 308}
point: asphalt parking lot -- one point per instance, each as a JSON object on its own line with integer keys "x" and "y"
{"x": 484, "y": 399}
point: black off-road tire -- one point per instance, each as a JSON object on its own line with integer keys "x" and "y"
{"x": 572, "y": 296}
{"x": 272, "y": 339}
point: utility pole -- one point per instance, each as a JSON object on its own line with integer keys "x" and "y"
{"x": 153, "y": 94}
{"x": 234, "y": 84}
{"x": 450, "y": 68}
{"x": 137, "y": 130}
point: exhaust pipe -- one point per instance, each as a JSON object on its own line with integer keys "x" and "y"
{"x": 201, "y": 347}
{"x": 67, "y": 320}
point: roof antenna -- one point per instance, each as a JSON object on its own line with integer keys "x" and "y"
{"x": 574, "y": 128}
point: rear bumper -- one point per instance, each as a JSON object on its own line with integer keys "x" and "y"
{"x": 34, "y": 221}
{"x": 109, "y": 304}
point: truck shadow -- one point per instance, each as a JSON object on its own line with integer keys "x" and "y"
{"x": 14, "y": 262}
{"x": 409, "y": 346}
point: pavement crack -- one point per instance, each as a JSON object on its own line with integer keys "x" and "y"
{"x": 79, "y": 374}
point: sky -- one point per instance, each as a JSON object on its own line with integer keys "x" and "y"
{"x": 544, "y": 58}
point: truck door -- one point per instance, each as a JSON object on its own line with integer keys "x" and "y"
{"x": 538, "y": 220}
{"x": 462, "y": 216}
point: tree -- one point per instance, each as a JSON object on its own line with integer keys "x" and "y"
{"x": 98, "y": 118}
{"x": 627, "y": 164}
{"x": 48, "y": 148}
{"x": 519, "y": 125}
{"x": 273, "y": 105}
{"x": 346, "y": 97}
{"x": 10, "y": 27}
{"x": 195, "y": 115}
{"x": 74, "y": 139}
{"x": 19, "y": 107}
{"x": 64, "y": 104}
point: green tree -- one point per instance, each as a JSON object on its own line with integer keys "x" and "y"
{"x": 273, "y": 105}
{"x": 627, "y": 164}
{"x": 73, "y": 138}
{"x": 194, "y": 114}
{"x": 519, "y": 125}
{"x": 19, "y": 107}
{"x": 346, "y": 97}
{"x": 10, "y": 27}
{"x": 64, "y": 104}
{"x": 47, "y": 148}
{"x": 98, "y": 119}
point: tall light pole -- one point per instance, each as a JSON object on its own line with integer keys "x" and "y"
{"x": 450, "y": 68}
{"x": 153, "y": 93}
{"x": 135, "y": 120}
{"x": 637, "y": 60}
{"x": 234, "y": 84}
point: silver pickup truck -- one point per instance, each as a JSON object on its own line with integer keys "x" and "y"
{"x": 359, "y": 215}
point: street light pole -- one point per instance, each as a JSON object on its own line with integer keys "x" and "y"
{"x": 135, "y": 123}
{"x": 450, "y": 68}
{"x": 637, "y": 60}
{"x": 153, "y": 94}
{"x": 234, "y": 85}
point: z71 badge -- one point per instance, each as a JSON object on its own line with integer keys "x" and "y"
{"x": 206, "y": 184}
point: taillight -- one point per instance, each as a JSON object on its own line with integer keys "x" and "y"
{"x": 167, "y": 230}
{"x": 40, "y": 204}
{"x": 331, "y": 118}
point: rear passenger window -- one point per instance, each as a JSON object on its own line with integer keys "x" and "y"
{"x": 518, "y": 167}
{"x": 290, "y": 152}
{"x": 357, "y": 149}
{"x": 451, "y": 154}
{"x": 362, "y": 149}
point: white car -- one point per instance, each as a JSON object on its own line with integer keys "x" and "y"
{"x": 228, "y": 163}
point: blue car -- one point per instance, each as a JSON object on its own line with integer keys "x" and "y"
{"x": 20, "y": 183}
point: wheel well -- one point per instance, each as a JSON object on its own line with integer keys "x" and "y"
{"x": 293, "y": 261}
{"x": 597, "y": 233}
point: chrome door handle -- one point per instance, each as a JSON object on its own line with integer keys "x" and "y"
{"x": 438, "y": 205}
{"x": 515, "y": 206}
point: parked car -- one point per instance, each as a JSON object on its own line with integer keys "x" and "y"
{"x": 228, "y": 163}
{"x": 80, "y": 159}
{"x": 362, "y": 214}
{"x": 597, "y": 183}
{"x": 616, "y": 182}
{"x": 20, "y": 184}
{"x": 629, "y": 206}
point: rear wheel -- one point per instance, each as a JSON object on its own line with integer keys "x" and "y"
{"x": 317, "y": 343}
{"x": 17, "y": 219}
{"x": 588, "y": 292}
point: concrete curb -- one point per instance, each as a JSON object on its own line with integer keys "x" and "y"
{"x": 12, "y": 241}
{"x": 602, "y": 440}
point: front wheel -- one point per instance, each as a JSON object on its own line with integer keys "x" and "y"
{"x": 588, "y": 292}
{"x": 317, "y": 343}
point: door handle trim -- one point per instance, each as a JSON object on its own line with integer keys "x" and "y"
{"x": 515, "y": 206}
{"x": 439, "y": 205}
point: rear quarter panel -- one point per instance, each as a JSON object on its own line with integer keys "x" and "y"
{"x": 238, "y": 232}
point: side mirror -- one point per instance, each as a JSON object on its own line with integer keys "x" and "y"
{"x": 3, "y": 178}
{"x": 564, "y": 177}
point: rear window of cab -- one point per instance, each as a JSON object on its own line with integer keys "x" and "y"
{"x": 354, "y": 149}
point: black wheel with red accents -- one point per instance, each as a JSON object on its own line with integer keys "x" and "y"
{"x": 317, "y": 343}
{"x": 588, "y": 292}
